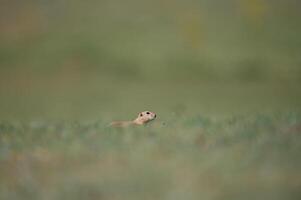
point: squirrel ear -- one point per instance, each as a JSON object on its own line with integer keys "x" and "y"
{"x": 140, "y": 114}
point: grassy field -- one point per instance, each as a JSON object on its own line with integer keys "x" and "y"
{"x": 195, "y": 157}
{"x": 223, "y": 77}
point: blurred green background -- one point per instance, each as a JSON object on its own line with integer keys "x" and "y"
{"x": 223, "y": 77}
{"x": 90, "y": 59}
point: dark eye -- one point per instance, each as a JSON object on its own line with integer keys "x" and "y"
{"x": 147, "y": 113}
{"x": 141, "y": 114}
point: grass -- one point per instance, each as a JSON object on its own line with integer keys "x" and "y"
{"x": 221, "y": 75}
{"x": 196, "y": 157}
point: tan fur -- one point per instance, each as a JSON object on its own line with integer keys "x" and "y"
{"x": 142, "y": 119}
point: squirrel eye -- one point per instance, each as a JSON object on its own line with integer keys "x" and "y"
{"x": 141, "y": 114}
{"x": 147, "y": 113}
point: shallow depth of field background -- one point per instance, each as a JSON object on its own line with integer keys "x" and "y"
{"x": 85, "y": 59}
{"x": 223, "y": 77}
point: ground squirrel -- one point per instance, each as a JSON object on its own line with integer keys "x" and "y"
{"x": 142, "y": 119}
